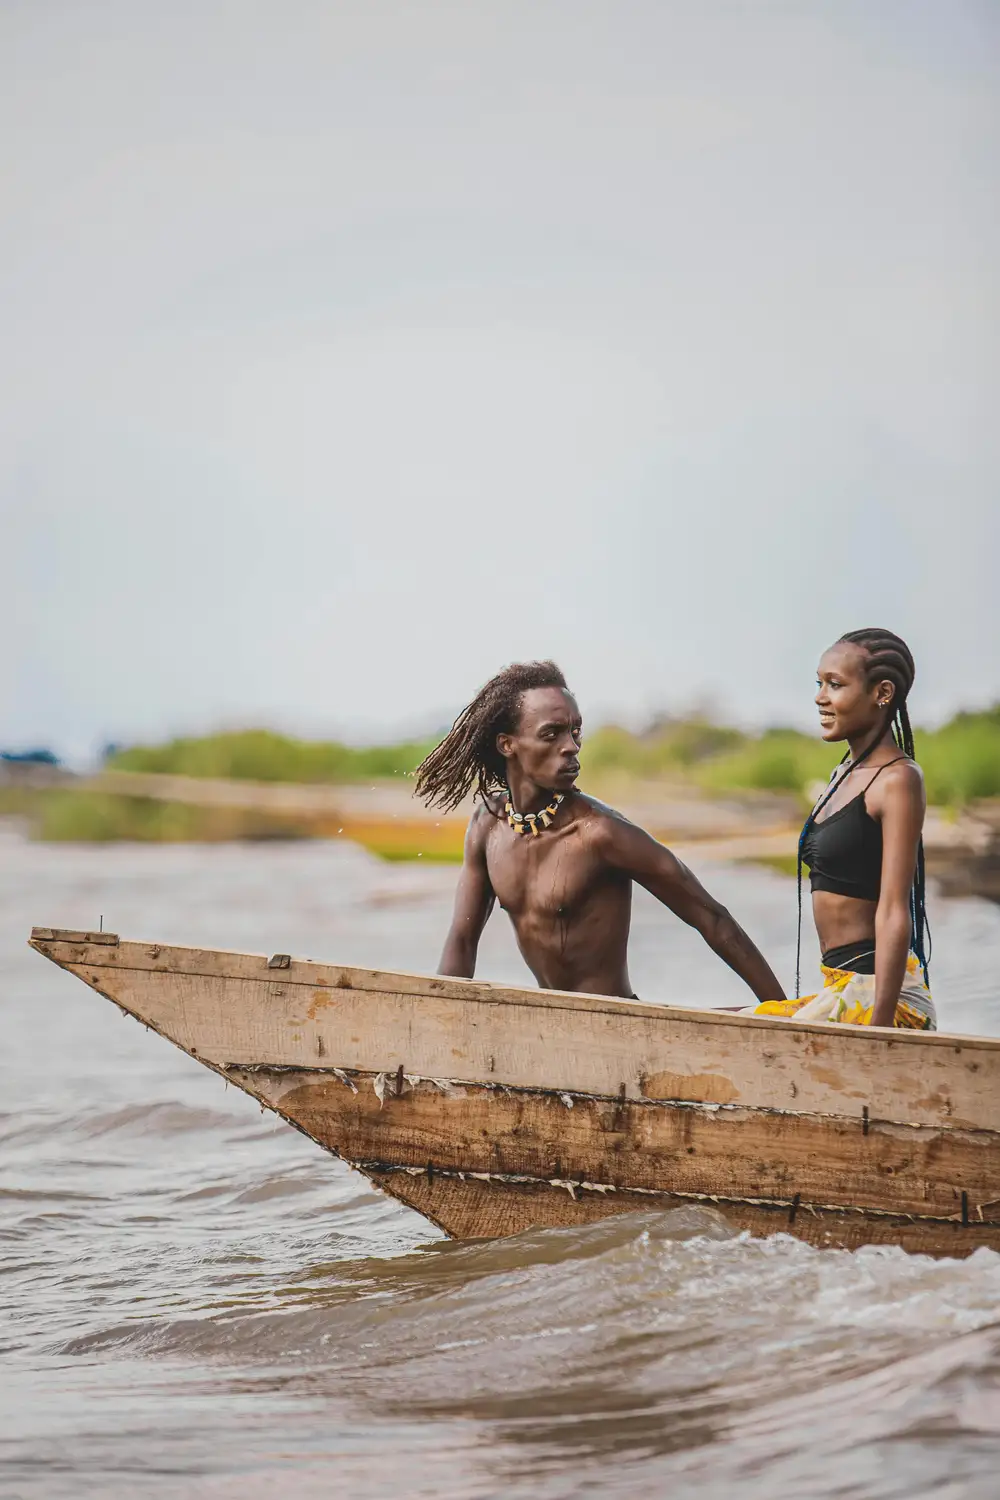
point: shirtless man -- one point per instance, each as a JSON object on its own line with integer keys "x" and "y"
{"x": 560, "y": 863}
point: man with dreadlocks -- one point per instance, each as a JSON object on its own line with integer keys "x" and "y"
{"x": 560, "y": 863}
{"x": 862, "y": 843}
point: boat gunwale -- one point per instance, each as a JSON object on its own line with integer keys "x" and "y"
{"x": 106, "y": 952}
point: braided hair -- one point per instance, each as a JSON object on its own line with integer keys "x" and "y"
{"x": 888, "y": 659}
{"x": 468, "y": 754}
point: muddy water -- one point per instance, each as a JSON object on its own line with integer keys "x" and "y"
{"x": 196, "y": 1302}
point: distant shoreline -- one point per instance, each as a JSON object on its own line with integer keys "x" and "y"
{"x": 963, "y": 846}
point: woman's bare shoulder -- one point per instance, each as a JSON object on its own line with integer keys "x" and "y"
{"x": 900, "y": 780}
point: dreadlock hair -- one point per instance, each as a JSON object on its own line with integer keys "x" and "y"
{"x": 889, "y": 659}
{"x": 468, "y": 754}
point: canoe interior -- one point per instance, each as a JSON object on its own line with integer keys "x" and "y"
{"x": 491, "y": 1109}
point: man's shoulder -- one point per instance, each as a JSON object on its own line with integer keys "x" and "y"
{"x": 483, "y": 818}
{"x": 590, "y": 806}
{"x": 614, "y": 838}
{"x": 598, "y": 817}
{"x": 488, "y": 808}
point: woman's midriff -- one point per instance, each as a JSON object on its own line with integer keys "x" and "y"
{"x": 842, "y": 919}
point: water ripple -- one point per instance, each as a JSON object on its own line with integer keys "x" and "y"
{"x": 198, "y": 1302}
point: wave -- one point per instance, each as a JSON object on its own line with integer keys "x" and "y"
{"x": 161, "y": 1117}
{"x": 661, "y": 1275}
{"x": 663, "y": 1345}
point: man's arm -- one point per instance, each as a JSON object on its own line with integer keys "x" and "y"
{"x": 631, "y": 850}
{"x": 474, "y": 900}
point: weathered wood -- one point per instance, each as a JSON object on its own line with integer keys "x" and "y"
{"x": 469, "y": 1209}
{"x": 569, "y": 1107}
{"x": 684, "y": 1148}
{"x": 230, "y": 1009}
{"x": 41, "y": 935}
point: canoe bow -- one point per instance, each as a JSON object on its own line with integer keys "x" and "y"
{"x": 489, "y": 1108}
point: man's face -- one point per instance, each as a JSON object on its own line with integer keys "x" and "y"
{"x": 546, "y": 743}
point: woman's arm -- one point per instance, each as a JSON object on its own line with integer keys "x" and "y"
{"x": 474, "y": 900}
{"x": 901, "y": 808}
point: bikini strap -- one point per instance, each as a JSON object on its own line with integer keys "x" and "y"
{"x": 880, "y": 770}
{"x": 831, "y": 786}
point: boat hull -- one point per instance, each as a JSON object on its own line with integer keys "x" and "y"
{"x": 490, "y": 1109}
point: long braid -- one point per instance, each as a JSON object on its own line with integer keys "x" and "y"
{"x": 918, "y": 895}
{"x": 468, "y": 754}
{"x": 889, "y": 659}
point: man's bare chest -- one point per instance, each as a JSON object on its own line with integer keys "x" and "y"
{"x": 554, "y": 876}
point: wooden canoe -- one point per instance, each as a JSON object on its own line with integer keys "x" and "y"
{"x": 489, "y": 1109}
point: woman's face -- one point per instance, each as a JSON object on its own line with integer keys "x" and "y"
{"x": 848, "y": 705}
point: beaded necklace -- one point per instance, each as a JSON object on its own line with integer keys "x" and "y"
{"x": 536, "y": 821}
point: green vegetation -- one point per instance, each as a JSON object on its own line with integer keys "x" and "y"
{"x": 671, "y": 747}
{"x": 99, "y": 818}
{"x": 262, "y": 755}
{"x": 779, "y": 760}
{"x": 17, "y": 802}
{"x": 961, "y": 763}
{"x": 961, "y": 760}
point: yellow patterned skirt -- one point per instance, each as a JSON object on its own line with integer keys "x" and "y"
{"x": 850, "y": 998}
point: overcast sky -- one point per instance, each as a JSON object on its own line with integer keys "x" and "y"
{"x": 351, "y": 349}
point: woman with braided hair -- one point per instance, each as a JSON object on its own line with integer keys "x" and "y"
{"x": 560, "y": 863}
{"x": 863, "y": 845}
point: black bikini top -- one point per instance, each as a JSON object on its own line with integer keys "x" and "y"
{"x": 844, "y": 851}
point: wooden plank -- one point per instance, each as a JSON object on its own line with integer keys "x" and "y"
{"x": 729, "y": 1151}
{"x": 230, "y": 1009}
{"x": 64, "y": 935}
{"x": 222, "y": 963}
{"x": 470, "y": 1209}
